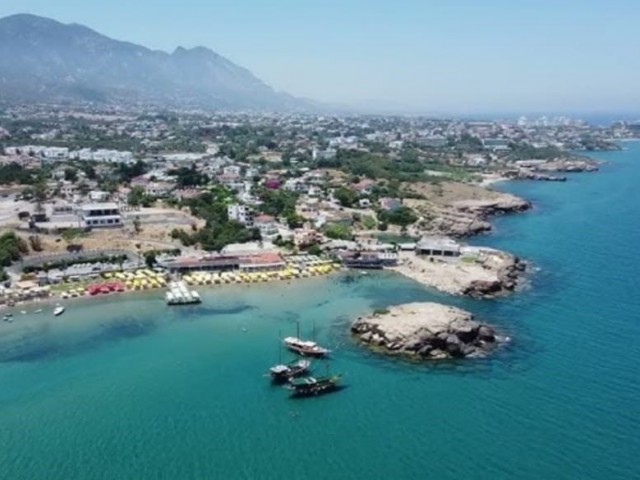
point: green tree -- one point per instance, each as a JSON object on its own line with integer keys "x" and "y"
{"x": 368, "y": 222}
{"x": 40, "y": 191}
{"x": 89, "y": 170}
{"x": 345, "y": 196}
{"x": 402, "y": 216}
{"x": 150, "y": 259}
{"x": 136, "y": 196}
{"x": 294, "y": 220}
{"x": 189, "y": 176}
{"x": 70, "y": 174}
{"x": 128, "y": 172}
{"x": 12, "y": 248}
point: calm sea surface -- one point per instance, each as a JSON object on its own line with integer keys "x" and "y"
{"x": 131, "y": 389}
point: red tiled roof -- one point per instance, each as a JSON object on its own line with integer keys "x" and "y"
{"x": 264, "y": 219}
{"x": 266, "y": 258}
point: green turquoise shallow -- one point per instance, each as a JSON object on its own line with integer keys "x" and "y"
{"x": 131, "y": 389}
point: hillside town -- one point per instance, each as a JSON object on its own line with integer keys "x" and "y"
{"x": 117, "y": 189}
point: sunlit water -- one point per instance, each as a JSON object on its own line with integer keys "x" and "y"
{"x": 131, "y": 389}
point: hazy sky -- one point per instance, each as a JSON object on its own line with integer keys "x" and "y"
{"x": 438, "y": 56}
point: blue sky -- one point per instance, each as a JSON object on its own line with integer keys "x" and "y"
{"x": 433, "y": 56}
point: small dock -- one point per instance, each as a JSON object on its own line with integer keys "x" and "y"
{"x": 179, "y": 294}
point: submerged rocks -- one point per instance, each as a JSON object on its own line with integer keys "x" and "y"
{"x": 428, "y": 331}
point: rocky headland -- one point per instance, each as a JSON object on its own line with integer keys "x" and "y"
{"x": 569, "y": 165}
{"x": 547, "y": 170}
{"x": 425, "y": 331}
{"x": 460, "y": 210}
{"x": 478, "y": 272}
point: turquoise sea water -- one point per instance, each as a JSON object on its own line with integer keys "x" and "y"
{"x": 134, "y": 390}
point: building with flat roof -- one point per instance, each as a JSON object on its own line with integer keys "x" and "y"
{"x": 438, "y": 246}
{"x": 101, "y": 215}
{"x": 240, "y": 213}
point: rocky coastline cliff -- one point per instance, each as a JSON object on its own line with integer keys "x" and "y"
{"x": 460, "y": 210}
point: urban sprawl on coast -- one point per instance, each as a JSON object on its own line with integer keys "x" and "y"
{"x": 98, "y": 202}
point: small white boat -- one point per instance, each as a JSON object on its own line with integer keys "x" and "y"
{"x": 38, "y": 311}
{"x": 59, "y": 310}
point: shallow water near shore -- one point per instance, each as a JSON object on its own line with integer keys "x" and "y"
{"x": 128, "y": 388}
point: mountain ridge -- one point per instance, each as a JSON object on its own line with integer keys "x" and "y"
{"x": 46, "y": 60}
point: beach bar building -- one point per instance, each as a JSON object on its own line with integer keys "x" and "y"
{"x": 208, "y": 263}
{"x": 438, "y": 247}
{"x": 262, "y": 262}
{"x": 254, "y": 262}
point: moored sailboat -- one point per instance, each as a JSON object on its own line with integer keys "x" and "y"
{"x": 305, "y": 348}
{"x": 314, "y": 386}
{"x": 282, "y": 373}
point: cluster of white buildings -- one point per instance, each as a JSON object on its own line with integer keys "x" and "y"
{"x": 63, "y": 153}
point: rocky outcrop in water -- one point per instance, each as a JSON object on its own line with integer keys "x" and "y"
{"x": 527, "y": 174}
{"x": 569, "y": 165}
{"x": 491, "y": 207}
{"x": 425, "y": 331}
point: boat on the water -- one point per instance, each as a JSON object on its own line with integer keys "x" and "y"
{"x": 59, "y": 310}
{"x": 314, "y": 386}
{"x": 179, "y": 294}
{"x": 284, "y": 372}
{"x": 305, "y": 348}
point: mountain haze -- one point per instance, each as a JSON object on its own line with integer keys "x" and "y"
{"x": 45, "y": 60}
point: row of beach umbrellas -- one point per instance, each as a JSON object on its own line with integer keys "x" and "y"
{"x": 289, "y": 273}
